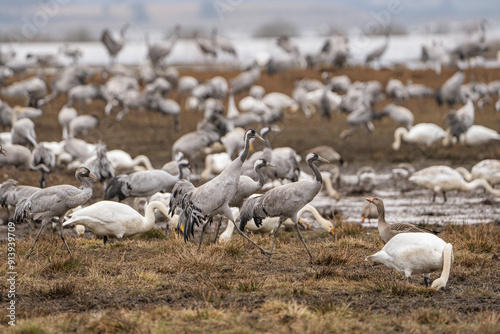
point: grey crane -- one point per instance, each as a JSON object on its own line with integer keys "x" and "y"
{"x": 247, "y": 185}
{"x": 55, "y": 201}
{"x": 144, "y": 183}
{"x": 287, "y": 164}
{"x": 248, "y": 167}
{"x": 472, "y": 48}
{"x": 378, "y": 52}
{"x": 223, "y": 43}
{"x": 23, "y": 133}
{"x": 11, "y": 193}
{"x": 114, "y": 42}
{"x": 100, "y": 165}
{"x": 200, "y": 205}
{"x": 19, "y": 157}
{"x": 159, "y": 51}
{"x": 243, "y": 81}
{"x": 33, "y": 89}
{"x": 459, "y": 121}
{"x": 84, "y": 94}
{"x": 287, "y": 45}
{"x": 71, "y": 51}
{"x": 360, "y": 117}
{"x": 450, "y": 90}
{"x": 402, "y": 115}
{"x": 43, "y": 156}
{"x": 284, "y": 201}
{"x": 77, "y": 148}
{"x": 206, "y": 45}
{"x": 68, "y": 78}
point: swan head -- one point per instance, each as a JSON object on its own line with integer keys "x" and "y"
{"x": 438, "y": 283}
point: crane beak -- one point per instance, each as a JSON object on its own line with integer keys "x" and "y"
{"x": 259, "y": 137}
{"x": 323, "y": 159}
{"x": 370, "y": 200}
{"x": 270, "y": 164}
{"x": 94, "y": 177}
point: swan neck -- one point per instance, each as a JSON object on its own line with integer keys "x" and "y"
{"x": 481, "y": 183}
{"x": 445, "y": 274}
{"x": 149, "y": 215}
{"x": 398, "y": 136}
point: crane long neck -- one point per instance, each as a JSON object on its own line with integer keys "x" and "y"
{"x": 260, "y": 175}
{"x": 244, "y": 154}
{"x": 149, "y": 216}
{"x": 181, "y": 174}
{"x": 316, "y": 172}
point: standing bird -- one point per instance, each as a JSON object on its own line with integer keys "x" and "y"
{"x": 479, "y": 135}
{"x": 444, "y": 178}
{"x": 417, "y": 253}
{"x": 159, "y": 51}
{"x": 114, "y": 42}
{"x": 100, "y": 165}
{"x": 450, "y": 90}
{"x": 106, "y": 218}
{"x": 212, "y": 198}
{"x": 248, "y": 186}
{"x": 23, "y": 133}
{"x": 223, "y": 43}
{"x": 461, "y": 120}
{"x": 425, "y": 134}
{"x": 284, "y": 201}
{"x": 402, "y": 115}
{"x": 386, "y": 230}
{"x": 378, "y": 52}
{"x": 207, "y": 45}
{"x": 55, "y": 202}
{"x": 43, "y": 156}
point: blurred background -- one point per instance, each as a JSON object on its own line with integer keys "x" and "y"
{"x": 364, "y": 22}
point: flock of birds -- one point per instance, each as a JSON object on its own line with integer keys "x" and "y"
{"x": 255, "y": 191}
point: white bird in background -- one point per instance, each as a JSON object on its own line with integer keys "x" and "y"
{"x": 107, "y": 218}
{"x": 478, "y": 135}
{"x": 425, "y": 134}
{"x": 417, "y": 253}
{"x": 488, "y": 169}
{"x": 444, "y": 178}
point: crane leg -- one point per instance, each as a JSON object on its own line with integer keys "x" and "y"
{"x": 217, "y": 229}
{"x": 251, "y": 241}
{"x": 36, "y": 238}
{"x": 62, "y": 235}
{"x": 303, "y": 241}
{"x": 274, "y": 238}
{"x": 201, "y": 237}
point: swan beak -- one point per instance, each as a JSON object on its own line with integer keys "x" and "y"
{"x": 370, "y": 200}
{"x": 332, "y": 232}
{"x": 323, "y": 159}
{"x": 94, "y": 177}
{"x": 259, "y": 137}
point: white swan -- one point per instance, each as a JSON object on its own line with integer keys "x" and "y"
{"x": 122, "y": 160}
{"x": 488, "y": 169}
{"x": 107, "y": 218}
{"x": 421, "y": 134}
{"x": 215, "y": 164}
{"x": 478, "y": 135}
{"x": 444, "y": 178}
{"x": 417, "y": 253}
{"x": 270, "y": 223}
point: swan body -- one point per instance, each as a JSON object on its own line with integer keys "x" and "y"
{"x": 478, "y": 135}
{"x": 444, "y": 178}
{"x": 488, "y": 169}
{"x": 107, "y": 218}
{"x": 421, "y": 134}
{"x": 122, "y": 160}
{"x": 417, "y": 253}
{"x": 215, "y": 164}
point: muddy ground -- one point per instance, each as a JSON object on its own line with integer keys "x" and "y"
{"x": 156, "y": 277}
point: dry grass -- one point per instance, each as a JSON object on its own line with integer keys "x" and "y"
{"x": 159, "y": 284}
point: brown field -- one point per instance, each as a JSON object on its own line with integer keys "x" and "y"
{"x": 157, "y": 283}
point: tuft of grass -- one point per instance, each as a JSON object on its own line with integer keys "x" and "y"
{"x": 332, "y": 257}
{"x": 481, "y": 238}
{"x": 344, "y": 228}
{"x": 72, "y": 264}
{"x": 398, "y": 288}
{"x": 28, "y": 328}
{"x": 153, "y": 234}
{"x": 58, "y": 290}
{"x": 249, "y": 285}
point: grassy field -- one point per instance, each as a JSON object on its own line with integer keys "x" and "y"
{"x": 157, "y": 283}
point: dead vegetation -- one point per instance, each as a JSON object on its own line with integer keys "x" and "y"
{"x": 157, "y": 283}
